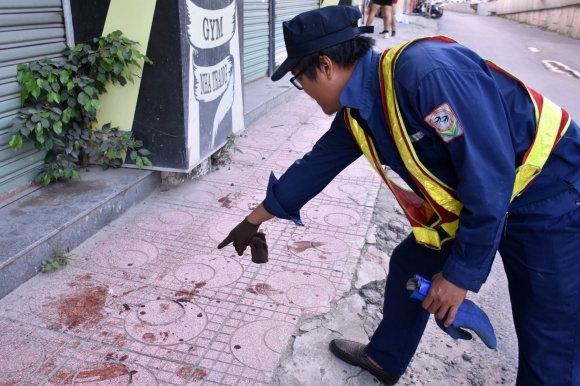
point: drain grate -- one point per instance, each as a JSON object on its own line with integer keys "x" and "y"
{"x": 561, "y": 68}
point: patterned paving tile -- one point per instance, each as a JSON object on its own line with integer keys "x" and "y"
{"x": 28, "y": 355}
{"x": 150, "y": 300}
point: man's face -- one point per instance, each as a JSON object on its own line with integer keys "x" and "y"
{"x": 326, "y": 89}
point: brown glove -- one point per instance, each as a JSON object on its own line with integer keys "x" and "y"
{"x": 241, "y": 236}
{"x": 259, "y": 248}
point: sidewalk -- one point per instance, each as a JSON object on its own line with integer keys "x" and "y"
{"x": 149, "y": 300}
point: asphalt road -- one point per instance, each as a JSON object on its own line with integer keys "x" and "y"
{"x": 506, "y": 43}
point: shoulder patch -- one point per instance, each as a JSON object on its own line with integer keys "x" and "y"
{"x": 445, "y": 123}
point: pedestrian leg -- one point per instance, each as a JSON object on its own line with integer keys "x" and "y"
{"x": 387, "y": 11}
{"x": 374, "y": 10}
{"x": 404, "y": 319}
{"x": 393, "y": 22}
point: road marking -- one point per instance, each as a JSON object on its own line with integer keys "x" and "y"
{"x": 533, "y": 49}
{"x": 561, "y": 68}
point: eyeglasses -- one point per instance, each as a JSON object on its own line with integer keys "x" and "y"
{"x": 296, "y": 82}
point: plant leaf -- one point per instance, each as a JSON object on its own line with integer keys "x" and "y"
{"x": 89, "y": 91}
{"x": 146, "y": 161}
{"x": 23, "y": 96}
{"x": 144, "y": 152}
{"x": 36, "y": 92}
{"x": 139, "y": 162}
{"x": 127, "y": 71}
{"x": 83, "y": 98}
{"x": 57, "y": 127}
{"x": 118, "y": 68}
{"x": 15, "y": 142}
{"x": 79, "y": 47}
{"x": 46, "y": 179}
{"x": 75, "y": 175}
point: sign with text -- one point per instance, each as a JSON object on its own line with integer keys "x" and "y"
{"x": 215, "y": 102}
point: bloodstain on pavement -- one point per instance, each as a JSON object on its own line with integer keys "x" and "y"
{"x": 99, "y": 373}
{"x": 226, "y": 202}
{"x": 54, "y": 326}
{"x": 79, "y": 306}
{"x": 148, "y": 337}
{"x": 184, "y": 372}
{"x": 185, "y": 295}
{"x": 198, "y": 375}
{"x": 302, "y": 246}
{"x": 263, "y": 289}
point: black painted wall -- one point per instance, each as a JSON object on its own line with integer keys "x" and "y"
{"x": 161, "y": 112}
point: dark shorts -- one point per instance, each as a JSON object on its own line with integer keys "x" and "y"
{"x": 383, "y": 2}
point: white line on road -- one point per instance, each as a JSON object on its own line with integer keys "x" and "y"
{"x": 561, "y": 68}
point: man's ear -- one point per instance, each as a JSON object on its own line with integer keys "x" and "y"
{"x": 326, "y": 67}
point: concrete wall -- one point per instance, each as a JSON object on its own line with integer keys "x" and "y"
{"x": 483, "y": 9}
{"x": 562, "y": 16}
{"x": 564, "y": 20}
{"x": 515, "y": 6}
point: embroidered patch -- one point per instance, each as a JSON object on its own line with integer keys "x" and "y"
{"x": 445, "y": 123}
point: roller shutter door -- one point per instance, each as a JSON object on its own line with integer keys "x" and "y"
{"x": 29, "y": 30}
{"x": 286, "y": 10}
{"x": 256, "y": 39}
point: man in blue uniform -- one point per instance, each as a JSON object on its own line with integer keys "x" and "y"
{"x": 471, "y": 126}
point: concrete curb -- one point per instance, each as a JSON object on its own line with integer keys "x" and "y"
{"x": 21, "y": 267}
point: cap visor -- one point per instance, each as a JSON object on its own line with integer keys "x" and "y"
{"x": 286, "y": 66}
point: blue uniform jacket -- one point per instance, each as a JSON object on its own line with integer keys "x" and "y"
{"x": 497, "y": 126}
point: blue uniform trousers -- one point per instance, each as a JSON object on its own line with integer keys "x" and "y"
{"x": 541, "y": 256}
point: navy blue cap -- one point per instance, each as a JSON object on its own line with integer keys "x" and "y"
{"x": 313, "y": 31}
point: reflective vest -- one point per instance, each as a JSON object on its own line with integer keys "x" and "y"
{"x": 440, "y": 209}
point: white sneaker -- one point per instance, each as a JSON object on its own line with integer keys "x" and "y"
{"x": 386, "y": 36}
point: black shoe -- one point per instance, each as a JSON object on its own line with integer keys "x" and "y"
{"x": 354, "y": 353}
{"x": 393, "y": 33}
{"x": 384, "y": 32}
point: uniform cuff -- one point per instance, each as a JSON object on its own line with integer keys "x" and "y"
{"x": 272, "y": 205}
{"x": 467, "y": 278}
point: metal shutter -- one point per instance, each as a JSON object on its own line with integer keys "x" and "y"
{"x": 286, "y": 10}
{"x": 29, "y": 30}
{"x": 256, "y": 39}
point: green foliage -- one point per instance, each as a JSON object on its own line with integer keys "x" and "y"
{"x": 58, "y": 261}
{"x": 61, "y": 101}
{"x": 222, "y": 156}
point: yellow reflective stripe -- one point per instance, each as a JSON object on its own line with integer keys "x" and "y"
{"x": 524, "y": 175}
{"x": 547, "y": 135}
{"x": 371, "y": 154}
{"x": 431, "y": 183}
{"x": 360, "y": 137}
{"x": 427, "y": 236}
{"x": 451, "y": 227}
{"x": 547, "y": 127}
